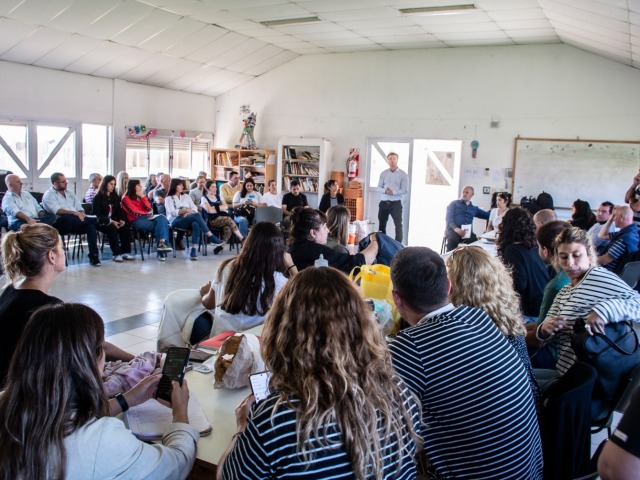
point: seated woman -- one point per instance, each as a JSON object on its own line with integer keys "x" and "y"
{"x": 55, "y": 400}
{"x": 594, "y": 294}
{"x": 308, "y": 241}
{"x": 150, "y": 183}
{"x": 518, "y": 250}
{"x": 183, "y": 213}
{"x": 338, "y": 219}
{"x": 122, "y": 181}
{"x": 331, "y": 197}
{"x": 336, "y": 408}
{"x": 503, "y": 202}
{"x": 111, "y": 219}
{"x": 581, "y": 215}
{"x": 32, "y": 258}
{"x": 139, "y": 214}
{"x": 245, "y": 287}
{"x": 480, "y": 280}
{"x": 214, "y": 209}
{"x": 246, "y": 200}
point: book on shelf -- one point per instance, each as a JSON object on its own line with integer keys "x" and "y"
{"x": 307, "y": 184}
{"x": 150, "y": 420}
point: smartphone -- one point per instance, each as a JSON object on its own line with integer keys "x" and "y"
{"x": 260, "y": 385}
{"x": 175, "y": 366}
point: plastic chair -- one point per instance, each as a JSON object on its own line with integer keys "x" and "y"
{"x": 631, "y": 274}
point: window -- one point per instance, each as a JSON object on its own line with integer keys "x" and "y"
{"x": 56, "y": 150}
{"x": 13, "y": 149}
{"x": 96, "y": 140}
{"x": 179, "y": 157}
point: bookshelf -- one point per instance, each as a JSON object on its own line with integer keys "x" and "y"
{"x": 261, "y": 163}
{"x": 306, "y": 160}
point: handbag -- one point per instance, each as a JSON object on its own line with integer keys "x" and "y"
{"x": 613, "y": 355}
{"x": 247, "y": 211}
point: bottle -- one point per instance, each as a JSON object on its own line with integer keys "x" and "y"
{"x": 321, "y": 262}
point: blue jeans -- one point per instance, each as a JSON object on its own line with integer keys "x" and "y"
{"x": 196, "y": 223}
{"x": 159, "y": 226}
{"x": 243, "y": 224}
{"x": 48, "y": 218}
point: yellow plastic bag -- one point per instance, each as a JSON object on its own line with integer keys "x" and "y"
{"x": 375, "y": 282}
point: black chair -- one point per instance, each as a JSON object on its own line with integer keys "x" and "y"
{"x": 565, "y": 421}
{"x": 631, "y": 274}
{"x": 629, "y": 384}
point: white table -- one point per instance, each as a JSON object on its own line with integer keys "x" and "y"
{"x": 484, "y": 244}
{"x": 219, "y": 406}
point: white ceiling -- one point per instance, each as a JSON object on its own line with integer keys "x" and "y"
{"x": 212, "y": 46}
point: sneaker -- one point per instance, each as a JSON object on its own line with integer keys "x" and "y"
{"x": 213, "y": 241}
{"x": 127, "y": 257}
{"x": 95, "y": 260}
{"x": 179, "y": 245}
{"x": 163, "y": 247}
{"x": 117, "y": 259}
{"x": 218, "y": 249}
{"x": 193, "y": 256}
{"x": 162, "y": 257}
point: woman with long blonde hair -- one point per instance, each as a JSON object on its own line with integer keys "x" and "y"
{"x": 338, "y": 219}
{"x": 336, "y": 405}
{"x": 122, "y": 181}
{"x": 480, "y": 280}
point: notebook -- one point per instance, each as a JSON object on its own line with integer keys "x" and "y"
{"x": 214, "y": 343}
{"x": 150, "y": 420}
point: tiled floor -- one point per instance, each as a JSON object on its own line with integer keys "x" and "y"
{"x": 129, "y": 295}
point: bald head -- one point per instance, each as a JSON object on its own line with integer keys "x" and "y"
{"x": 623, "y": 216}
{"x": 14, "y": 184}
{"x": 544, "y": 216}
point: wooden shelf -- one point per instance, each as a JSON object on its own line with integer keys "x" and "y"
{"x": 225, "y": 160}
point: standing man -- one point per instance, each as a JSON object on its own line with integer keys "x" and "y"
{"x": 394, "y": 184}
{"x": 272, "y": 198}
{"x": 479, "y": 418}
{"x": 94, "y": 185}
{"x": 460, "y": 215}
{"x": 21, "y": 207}
{"x": 70, "y": 214}
{"x": 228, "y": 190}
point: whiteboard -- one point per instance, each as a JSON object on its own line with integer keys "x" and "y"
{"x": 591, "y": 170}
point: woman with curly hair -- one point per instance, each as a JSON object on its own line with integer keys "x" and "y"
{"x": 518, "y": 250}
{"x": 582, "y": 216}
{"x": 482, "y": 281}
{"x": 336, "y": 408}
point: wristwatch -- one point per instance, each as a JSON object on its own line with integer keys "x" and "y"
{"x": 121, "y": 400}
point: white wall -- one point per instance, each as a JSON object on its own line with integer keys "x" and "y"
{"x": 33, "y": 93}
{"x": 551, "y": 91}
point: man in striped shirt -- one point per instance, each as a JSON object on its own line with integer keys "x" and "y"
{"x": 479, "y": 419}
{"x": 623, "y": 242}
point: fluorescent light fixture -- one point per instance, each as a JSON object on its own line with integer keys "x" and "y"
{"x": 444, "y": 10}
{"x": 290, "y": 21}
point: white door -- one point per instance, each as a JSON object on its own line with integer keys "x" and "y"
{"x": 433, "y": 167}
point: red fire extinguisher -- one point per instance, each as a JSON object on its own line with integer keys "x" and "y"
{"x": 352, "y": 163}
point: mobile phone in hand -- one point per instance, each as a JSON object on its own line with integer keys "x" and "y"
{"x": 260, "y": 385}
{"x": 175, "y": 366}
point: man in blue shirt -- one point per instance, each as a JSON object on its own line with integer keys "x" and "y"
{"x": 21, "y": 207}
{"x": 70, "y": 214}
{"x": 394, "y": 183}
{"x": 462, "y": 212}
{"x": 623, "y": 242}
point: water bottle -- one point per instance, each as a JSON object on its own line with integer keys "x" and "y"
{"x": 321, "y": 262}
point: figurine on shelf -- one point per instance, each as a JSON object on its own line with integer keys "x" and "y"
{"x": 247, "y": 141}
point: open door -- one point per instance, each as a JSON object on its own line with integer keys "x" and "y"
{"x": 433, "y": 167}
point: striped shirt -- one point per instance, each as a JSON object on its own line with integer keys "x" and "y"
{"x": 268, "y": 448}
{"x": 479, "y": 420}
{"x": 600, "y": 291}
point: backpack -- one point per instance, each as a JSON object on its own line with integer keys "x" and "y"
{"x": 530, "y": 204}
{"x": 545, "y": 200}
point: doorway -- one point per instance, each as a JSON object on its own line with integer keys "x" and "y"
{"x": 433, "y": 167}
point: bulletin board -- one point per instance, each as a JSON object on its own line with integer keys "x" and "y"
{"x": 591, "y": 170}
